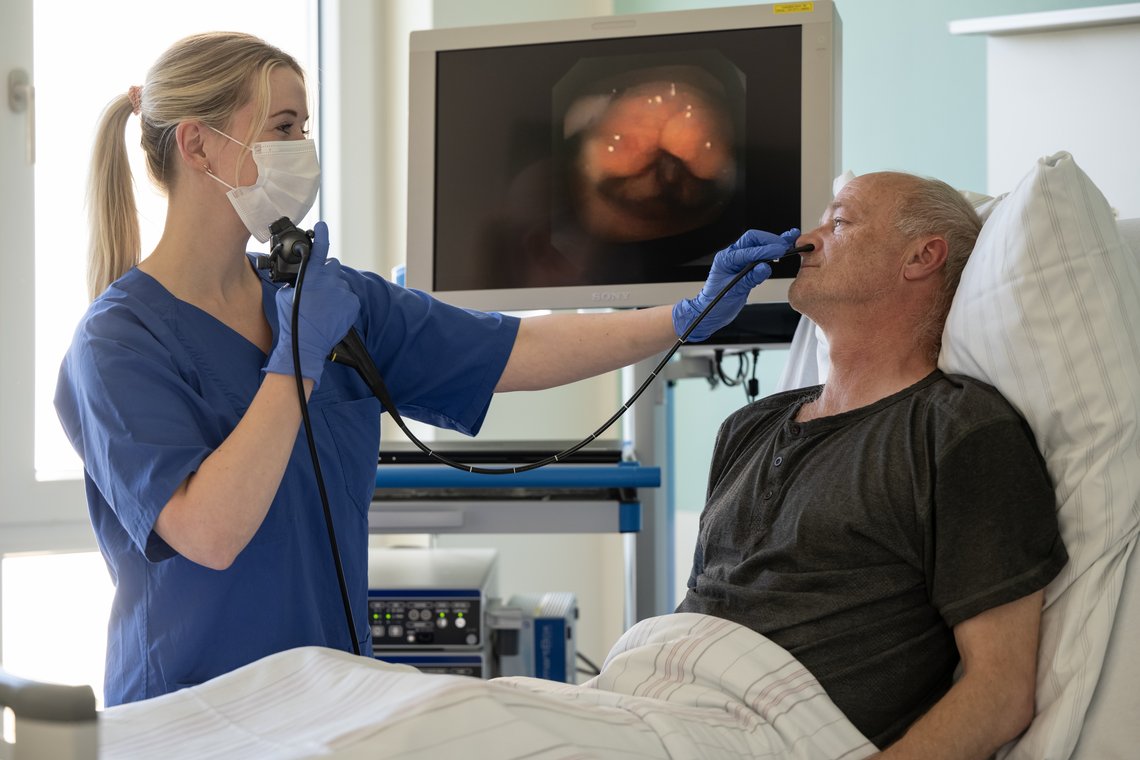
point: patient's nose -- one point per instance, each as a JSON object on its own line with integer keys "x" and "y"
{"x": 812, "y": 238}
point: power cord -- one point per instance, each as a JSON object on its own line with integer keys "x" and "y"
{"x": 741, "y": 368}
{"x": 745, "y": 373}
{"x": 591, "y": 668}
{"x": 753, "y": 389}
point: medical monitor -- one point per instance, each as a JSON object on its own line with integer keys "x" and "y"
{"x": 603, "y": 161}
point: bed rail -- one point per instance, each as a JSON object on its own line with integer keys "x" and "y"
{"x": 44, "y": 720}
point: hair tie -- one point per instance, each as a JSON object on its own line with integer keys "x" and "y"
{"x": 134, "y": 94}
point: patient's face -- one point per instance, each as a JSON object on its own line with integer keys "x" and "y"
{"x": 858, "y": 252}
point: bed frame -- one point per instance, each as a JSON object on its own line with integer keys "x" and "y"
{"x": 47, "y": 720}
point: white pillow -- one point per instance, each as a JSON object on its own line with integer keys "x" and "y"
{"x": 1048, "y": 312}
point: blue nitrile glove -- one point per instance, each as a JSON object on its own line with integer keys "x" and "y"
{"x": 752, "y": 246}
{"x": 328, "y": 310}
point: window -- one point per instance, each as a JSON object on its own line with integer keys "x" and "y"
{"x": 69, "y": 100}
{"x": 84, "y": 55}
{"x": 55, "y": 617}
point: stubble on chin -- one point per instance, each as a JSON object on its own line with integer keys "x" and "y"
{"x": 798, "y": 296}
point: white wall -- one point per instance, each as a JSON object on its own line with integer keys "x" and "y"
{"x": 1067, "y": 89}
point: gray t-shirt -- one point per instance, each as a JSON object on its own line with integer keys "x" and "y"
{"x": 858, "y": 541}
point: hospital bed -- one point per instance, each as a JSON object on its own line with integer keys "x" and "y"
{"x": 1048, "y": 310}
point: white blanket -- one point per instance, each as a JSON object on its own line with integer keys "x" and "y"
{"x": 677, "y": 686}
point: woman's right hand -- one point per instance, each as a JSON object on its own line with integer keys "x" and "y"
{"x": 328, "y": 309}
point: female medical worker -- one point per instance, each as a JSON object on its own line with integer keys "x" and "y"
{"x": 178, "y": 390}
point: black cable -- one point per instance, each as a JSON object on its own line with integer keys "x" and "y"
{"x": 352, "y": 352}
{"x": 753, "y": 389}
{"x": 316, "y": 460}
{"x": 741, "y": 368}
{"x": 596, "y": 670}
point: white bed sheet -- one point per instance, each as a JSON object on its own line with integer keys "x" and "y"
{"x": 677, "y": 686}
{"x": 1110, "y": 730}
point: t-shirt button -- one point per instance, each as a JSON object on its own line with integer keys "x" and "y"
{"x": 767, "y": 495}
{"x": 778, "y": 461}
{"x": 794, "y": 429}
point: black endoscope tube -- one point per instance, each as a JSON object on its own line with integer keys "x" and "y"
{"x": 349, "y": 621}
{"x": 353, "y": 353}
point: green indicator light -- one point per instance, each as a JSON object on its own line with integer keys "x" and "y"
{"x": 388, "y": 616}
{"x": 460, "y": 614}
{"x": 375, "y": 616}
{"x": 441, "y": 614}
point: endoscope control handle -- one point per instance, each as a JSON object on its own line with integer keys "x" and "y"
{"x": 289, "y": 246}
{"x": 352, "y": 352}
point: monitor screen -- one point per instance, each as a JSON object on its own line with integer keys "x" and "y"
{"x": 602, "y": 162}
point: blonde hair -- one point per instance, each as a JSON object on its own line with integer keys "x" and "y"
{"x": 205, "y": 77}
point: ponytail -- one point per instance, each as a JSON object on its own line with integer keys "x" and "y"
{"x": 115, "y": 244}
{"x": 205, "y": 77}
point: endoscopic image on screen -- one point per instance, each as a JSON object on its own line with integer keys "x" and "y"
{"x": 649, "y": 153}
{"x": 611, "y": 161}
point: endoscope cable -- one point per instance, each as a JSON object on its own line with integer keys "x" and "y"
{"x": 349, "y": 620}
{"x": 352, "y": 353}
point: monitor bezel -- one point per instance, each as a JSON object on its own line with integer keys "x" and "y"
{"x": 819, "y": 138}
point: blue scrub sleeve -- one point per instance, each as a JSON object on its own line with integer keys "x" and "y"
{"x": 136, "y": 422}
{"x": 441, "y": 363}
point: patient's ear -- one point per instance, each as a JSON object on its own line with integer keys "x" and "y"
{"x": 925, "y": 258}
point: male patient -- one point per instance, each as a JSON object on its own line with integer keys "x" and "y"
{"x": 896, "y": 520}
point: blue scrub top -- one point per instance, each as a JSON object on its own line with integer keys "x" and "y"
{"x": 152, "y": 385}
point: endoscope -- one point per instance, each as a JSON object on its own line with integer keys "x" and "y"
{"x": 289, "y": 249}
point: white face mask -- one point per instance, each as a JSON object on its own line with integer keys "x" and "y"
{"x": 288, "y": 177}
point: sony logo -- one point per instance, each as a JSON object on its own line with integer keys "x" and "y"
{"x": 610, "y": 295}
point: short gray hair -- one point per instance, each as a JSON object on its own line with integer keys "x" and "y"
{"x": 932, "y": 207}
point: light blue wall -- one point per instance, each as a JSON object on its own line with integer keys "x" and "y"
{"x": 913, "y": 95}
{"x": 697, "y": 413}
